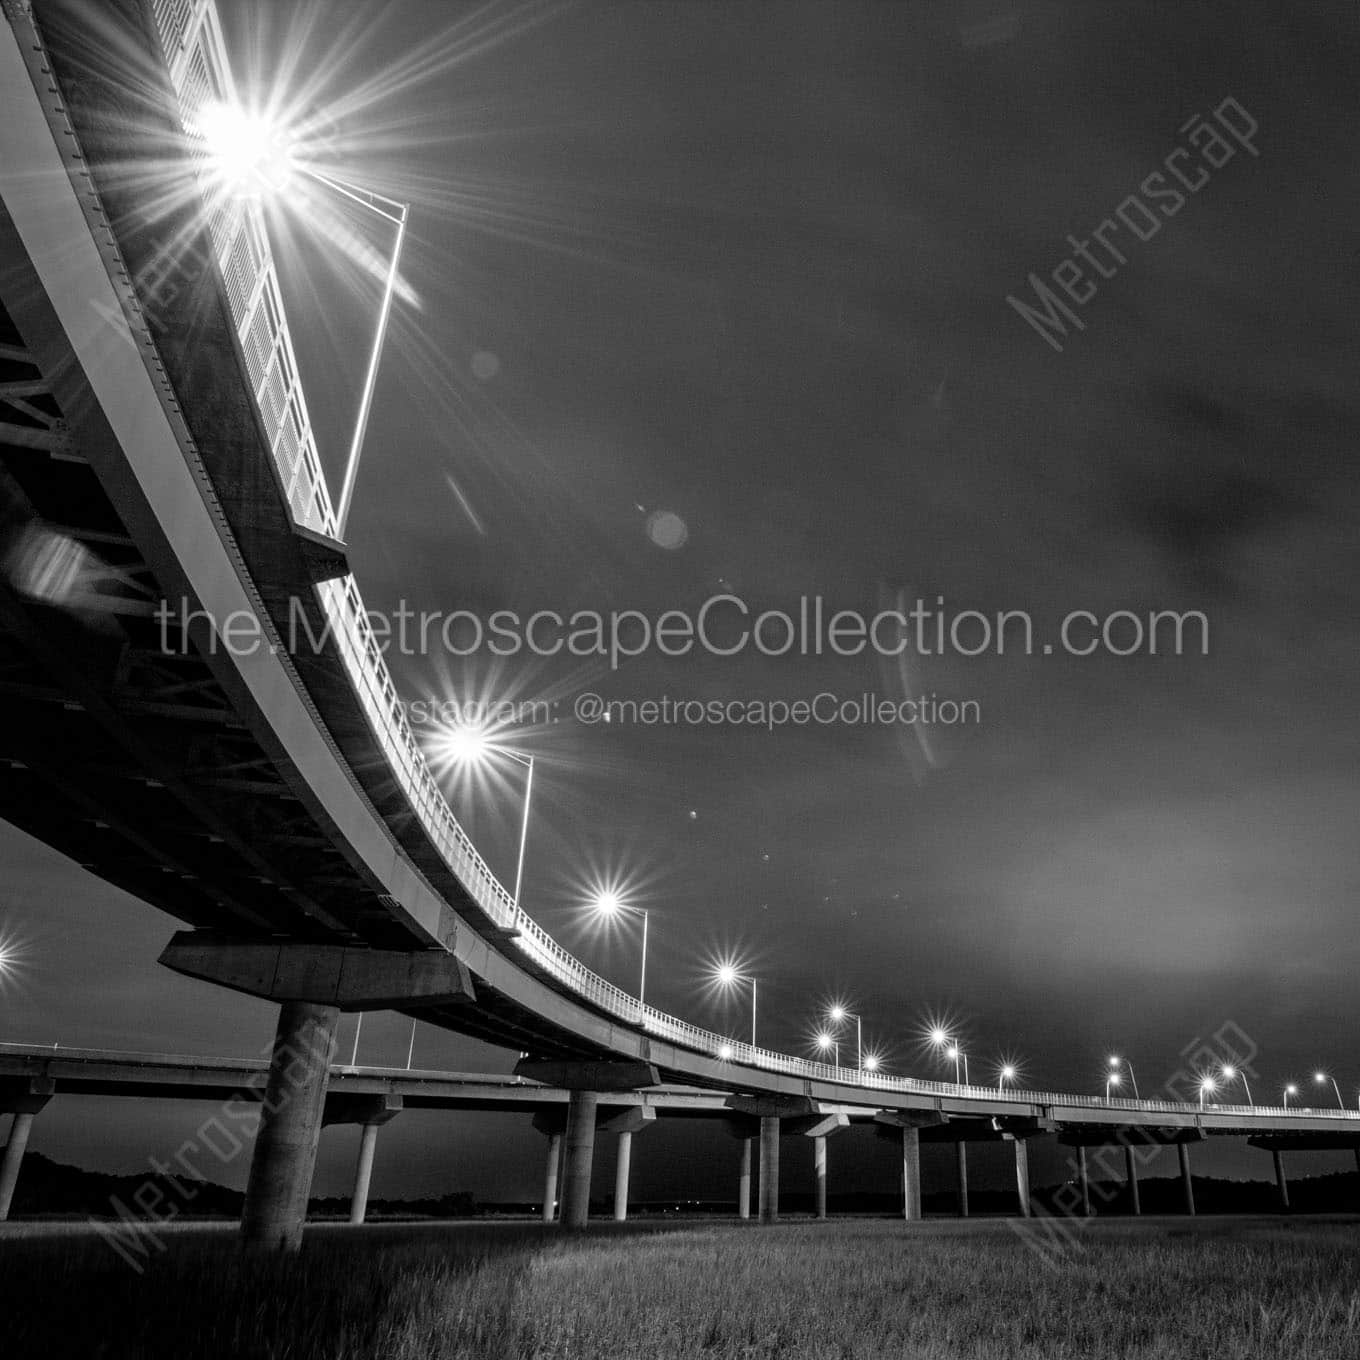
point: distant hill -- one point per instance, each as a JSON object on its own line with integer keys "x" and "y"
{"x": 52, "y": 1189}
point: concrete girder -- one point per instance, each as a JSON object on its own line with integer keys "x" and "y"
{"x": 322, "y": 974}
{"x": 1126, "y": 1135}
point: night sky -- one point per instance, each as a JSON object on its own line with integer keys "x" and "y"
{"x": 748, "y": 264}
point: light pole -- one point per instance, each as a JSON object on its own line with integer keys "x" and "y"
{"x": 1206, "y": 1088}
{"x": 474, "y": 748}
{"x": 1116, "y": 1064}
{"x": 1005, "y": 1073}
{"x": 609, "y": 905}
{"x": 959, "y": 1056}
{"x": 838, "y": 1015}
{"x": 249, "y": 155}
{"x": 728, "y": 975}
{"x": 1111, "y": 1079}
{"x": 829, "y": 1041}
{"x": 1290, "y": 1090}
{"x": 1230, "y": 1073}
{"x": 1322, "y": 1077}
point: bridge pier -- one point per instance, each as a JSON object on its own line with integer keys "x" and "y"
{"x": 363, "y": 1173}
{"x": 819, "y": 1173}
{"x": 1022, "y": 1175}
{"x": 769, "y": 1169}
{"x": 1131, "y": 1175}
{"x": 1085, "y": 1181}
{"x": 1183, "y": 1154}
{"x": 369, "y": 1112}
{"x": 961, "y": 1157}
{"x": 744, "y": 1179}
{"x": 290, "y": 1127}
{"x": 625, "y": 1125}
{"x": 21, "y": 1125}
{"x": 911, "y": 1174}
{"x": 550, "y": 1177}
{"x": 24, "y": 1103}
{"x": 584, "y": 1081}
{"x": 1281, "y": 1185}
{"x": 581, "y": 1111}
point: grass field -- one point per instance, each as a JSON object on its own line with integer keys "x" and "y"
{"x": 861, "y": 1290}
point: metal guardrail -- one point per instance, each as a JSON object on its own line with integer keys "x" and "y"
{"x": 192, "y": 43}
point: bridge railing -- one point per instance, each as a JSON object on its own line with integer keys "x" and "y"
{"x": 191, "y": 39}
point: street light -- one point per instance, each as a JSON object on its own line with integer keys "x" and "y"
{"x": 251, "y": 155}
{"x": 959, "y": 1056}
{"x": 728, "y": 975}
{"x": 1206, "y": 1088}
{"x": 1111, "y": 1079}
{"x": 475, "y": 748}
{"x": 1230, "y": 1073}
{"x": 1116, "y": 1064}
{"x": 1321, "y": 1078}
{"x": 829, "y": 1041}
{"x": 838, "y": 1015}
{"x": 1005, "y": 1073}
{"x": 609, "y": 905}
{"x": 871, "y": 1062}
{"x": 1290, "y": 1090}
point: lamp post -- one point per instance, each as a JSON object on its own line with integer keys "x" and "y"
{"x": 1116, "y": 1064}
{"x": 838, "y": 1015}
{"x": 1005, "y": 1073}
{"x": 829, "y": 1041}
{"x": 959, "y": 1056}
{"x": 474, "y": 748}
{"x": 1321, "y": 1078}
{"x": 1290, "y": 1090}
{"x": 1111, "y": 1079}
{"x": 609, "y": 905}
{"x": 1207, "y": 1087}
{"x": 1231, "y": 1073}
{"x": 249, "y": 155}
{"x": 728, "y": 975}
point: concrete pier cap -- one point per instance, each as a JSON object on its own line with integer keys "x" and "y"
{"x": 348, "y": 978}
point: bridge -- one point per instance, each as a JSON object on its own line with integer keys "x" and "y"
{"x": 156, "y": 448}
{"x": 32, "y": 1075}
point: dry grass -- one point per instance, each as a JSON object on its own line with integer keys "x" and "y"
{"x": 861, "y": 1290}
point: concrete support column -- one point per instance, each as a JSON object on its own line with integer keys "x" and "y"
{"x": 1085, "y": 1183}
{"x": 550, "y": 1177}
{"x": 290, "y": 1127}
{"x": 1131, "y": 1174}
{"x": 744, "y": 1180}
{"x": 961, "y": 1155}
{"x": 580, "y": 1158}
{"x": 819, "y": 1173}
{"x": 621, "y": 1168}
{"x": 1281, "y": 1185}
{"x": 911, "y": 1174}
{"x": 19, "y": 1129}
{"x": 769, "y": 1169}
{"x": 1022, "y": 1175}
{"x": 363, "y": 1173}
{"x": 1183, "y": 1152}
